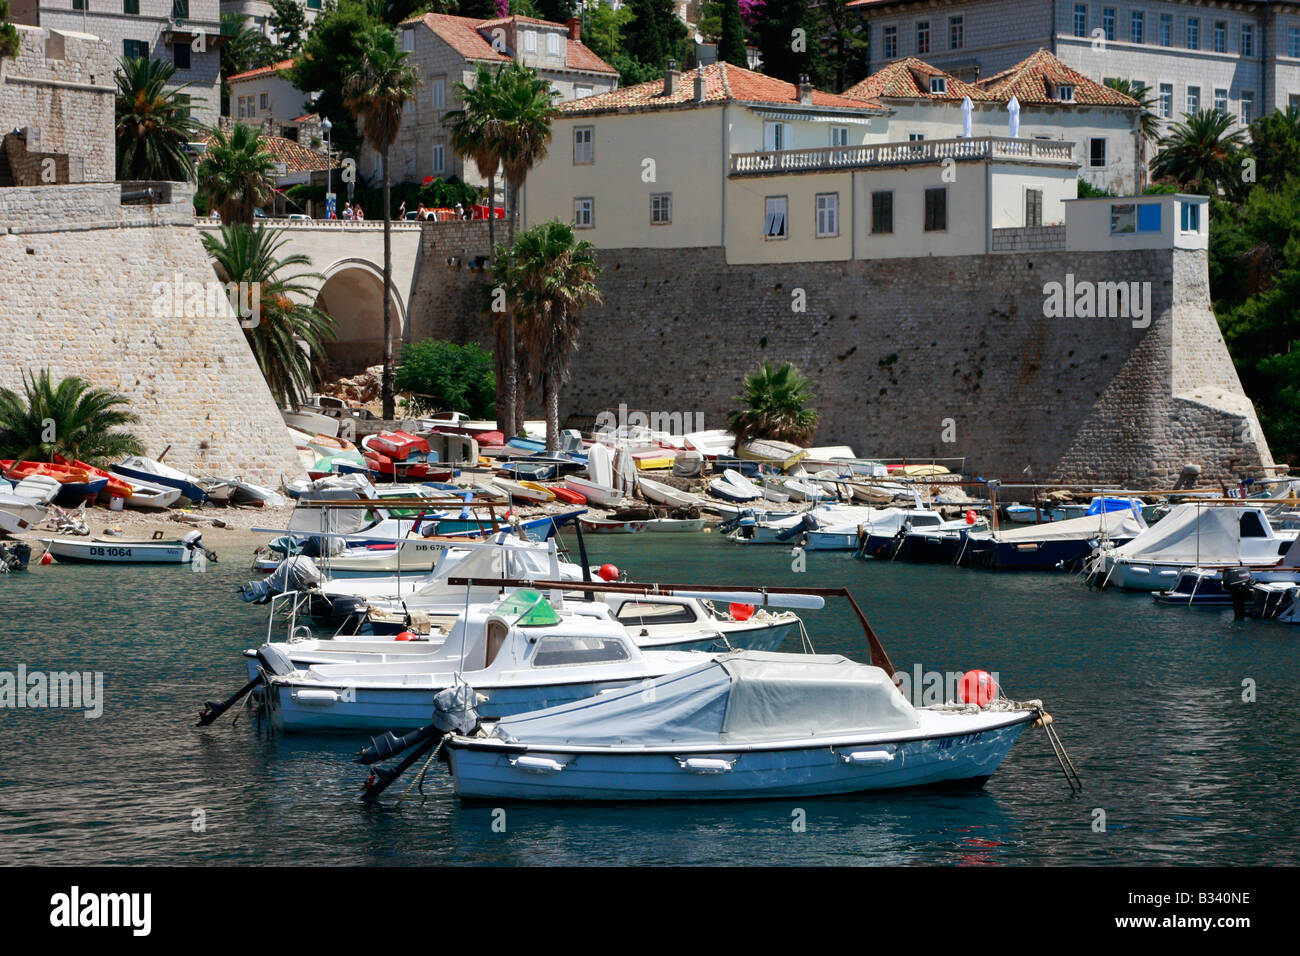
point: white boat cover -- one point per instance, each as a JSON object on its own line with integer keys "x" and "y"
{"x": 742, "y": 697}
{"x": 1190, "y": 534}
{"x": 1115, "y": 524}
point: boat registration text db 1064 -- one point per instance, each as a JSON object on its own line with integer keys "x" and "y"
{"x": 111, "y": 552}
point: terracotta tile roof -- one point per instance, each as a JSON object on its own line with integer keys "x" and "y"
{"x": 260, "y": 71}
{"x": 910, "y": 78}
{"x": 466, "y": 36}
{"x": 723, "y": 83}
{"x": 1027, "y": 82}
{"x": 296, "y": 157}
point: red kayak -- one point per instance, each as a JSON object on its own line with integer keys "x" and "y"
{"x": 567, "y": 495}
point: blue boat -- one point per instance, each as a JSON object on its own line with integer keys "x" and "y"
{"x": 74, "y": 492}
{"x": 146, "y": 469}
{"x": 530, "y": 470}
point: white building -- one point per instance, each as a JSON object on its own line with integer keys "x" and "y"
{"x": 1239, "y": 57}
{"x": 266, "y": 94}
{"x": 446, "y": 50}
{"x": 185, "y": 32}
{"x": 774, "y": 172}
{"x": 259, "y": 13}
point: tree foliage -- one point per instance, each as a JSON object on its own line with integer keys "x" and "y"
{"x": 9, "y": 42}
{"x": 774, "y": 406}
{"x": 289, "y": 21}
{"x": 791, "y": 36}
{"x": 236, "y": 175}
{"x": 153, "y": 123}
{"x": 331, "y": 53}
{"x": 444, "y": 376}
{"x": 69, "y": 417}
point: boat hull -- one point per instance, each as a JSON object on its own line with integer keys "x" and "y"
{"x": 485, "y": 770}
{"x": 104, "y": 552}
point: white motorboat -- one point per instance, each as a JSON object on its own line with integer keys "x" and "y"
{"x": 851, "y": 534}
{"x": 747, "y": 725}
{"x": 674, "y": 525}
{"x": 151, "y": 496}
{"x": 519, "y": 492}
{"x": 19, "y": 514}
{"x": 1192, "y": 535}
{"x": 520, "y": 652}
{"x": 610, "y": 526}
{"x": 731, "y": 485}
{"x": 127, "y": 551}
{"x": 156, "y": 473}
{"x": 595, "y": 492}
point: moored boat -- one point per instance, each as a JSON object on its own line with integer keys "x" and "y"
{"x": 126, "y": 551}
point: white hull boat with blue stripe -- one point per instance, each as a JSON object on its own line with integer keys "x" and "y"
{"x": 747, "y": 725}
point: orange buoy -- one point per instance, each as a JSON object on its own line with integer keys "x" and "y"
{"x": 608, "y": 572}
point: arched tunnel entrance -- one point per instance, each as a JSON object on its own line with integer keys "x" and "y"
{"x": 352, "y": 294}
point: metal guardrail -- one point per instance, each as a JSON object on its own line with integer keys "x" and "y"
{"x": 896, "y": 154}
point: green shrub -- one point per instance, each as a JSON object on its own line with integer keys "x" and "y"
{"x": 444, "y": 376}
{"x": 1088, "y": 191}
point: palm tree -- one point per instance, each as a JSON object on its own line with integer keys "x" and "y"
{"x": 775, "y": 400}
{"x": 1202, "y": 154}
{"x": 1148, "y": 121}
{"x": 551, "y": 278}
{"x": 476, "y": 133}
{"x": 70, "y": 418}
{"x": 236, "y": 172}
{"x": 244, "y": 49}
{"x": 289, "y": 339}
{"x": 153, "y": 122}
{"x": 376, "y": 94}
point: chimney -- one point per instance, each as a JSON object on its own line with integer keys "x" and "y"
{"x": 672, "y": 79}
{"x": 575, "y": 28}
{"x": 805, "y": 90}
{"x": 699, "y": 83}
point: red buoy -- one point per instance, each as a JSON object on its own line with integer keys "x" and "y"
{"x": 741, "y": 612}
{"x": 977, "y": 687}
{"x": 608, "y": 572}
{"x": 970, "y": 517}
{"x": 407, "y": 636}
{"x": 47, "y": 558}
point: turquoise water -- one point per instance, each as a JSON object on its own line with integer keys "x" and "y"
{"x": 1148, "y": 700}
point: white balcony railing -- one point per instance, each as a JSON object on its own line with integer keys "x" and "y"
{"x": 1055, "y": 152}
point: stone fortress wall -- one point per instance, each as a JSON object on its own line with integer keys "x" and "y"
{"x": 900, "y": 348}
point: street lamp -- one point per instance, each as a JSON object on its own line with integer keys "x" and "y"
{"x": 326, "y": 125}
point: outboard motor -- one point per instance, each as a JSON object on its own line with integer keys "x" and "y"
{"x": 807, "y": 523}
{"x": 292, "y": 574}
{"x": 1238, "y": 582}
{"x": 453, "y": 710}
{"x": 194, "y": 542}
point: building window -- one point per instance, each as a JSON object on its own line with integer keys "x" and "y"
{"x": 181, "y": 56}
{"x": 183, "y": 105}
{"x": 584, "y": 212}
{"x": 438, "y": 94}
{"x": 661, "y": 209}
{"x": 956, "y": 33}
{"x": 1293, "y": 41}
{"x": 584, "y": 146}
{"x": 777, "y": 136}
{"x": 1065, "y": 94}
{"x": 1033, "y": 207}
{"x": 135, "y": 50}
{"x": 1108, "y": 22}
{"x": 882, "y": 213}
{"x": 1148, "y": 217}
{"x": 891, "y": 43}
{"x": 1080, "y": 20}
{"x": 408, "y": 40}
{"x": 580, "y": 91}
{"x": 1166, "y": 29}
{"x": 1220, "y": 36}
{"x": 1247, "y": 39}
{"x": 530, "y": 41}
{"x": 180, "y": 9}
{"x": 313, "y": 4}
{"x": 839, "y": 136}
{"x": 1193, "y": 99}
{"x": 1191, "y": 217}
{"x": 1129, "y": 218}
{"x": 1166, "y": 103}
{"x": 936, "y": 209}
{"x": 439, "y": 159}
{"x": 1193, "y": 33}
{"x": 1247, "y": 107}
{"x": 1097, "y": 151}
{"x": 1293, "y": 101}
{"x": 828, "y": 214}
{"x": 938, "y": 85}
{"x": 1136, "y": 26}
{"x": 131, "y": 7}
{"x": 915, "y": 137}
{"x": 552, "y": 44}
{"x": 922, "y": 37}
{"x": 1221, "y": 101}
{"x": 774, "y": 217}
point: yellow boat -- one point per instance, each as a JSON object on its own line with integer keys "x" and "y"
{"x": 550, "y": 495}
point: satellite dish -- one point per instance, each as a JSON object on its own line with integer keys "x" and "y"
{"x": 698, "y": 38}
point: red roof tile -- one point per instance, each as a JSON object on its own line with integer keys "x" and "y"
{"x": 297, "y": 158}
{"x": 466, "y": 36}
{"x": 910, "y": 78}
{"x": 723, "y": 83}
{"x": 260, "y": 71}
{"x": 1027, "y": 81}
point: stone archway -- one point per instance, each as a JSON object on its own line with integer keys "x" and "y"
{"x": 352, "y": 294}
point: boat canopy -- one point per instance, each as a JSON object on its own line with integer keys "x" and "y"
{"x": 1103, "y": 503}
{"x": 1197, "y": 534}
{"x": 742, "y": 697}
{"x": 1114, "y": 524}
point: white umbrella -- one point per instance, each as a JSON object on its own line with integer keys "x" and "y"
{"x": 966, "y": 107}
{"x": 1013, "y": 107}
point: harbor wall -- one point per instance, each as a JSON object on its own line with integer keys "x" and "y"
{"x": 919, "y": 357}
{"x": 81, "y": 274}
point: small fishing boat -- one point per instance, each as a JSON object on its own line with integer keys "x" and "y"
{"x": 733, "y": 486}
{"x": 520, "y": 492}
{"x": 1058, "y": 545}
{"x": 532, "y": 470}
{"x": 550, "y": 495}
{"x": 595, "y": 492}
{"x": 606, "y": 526}
{"x": 674, "y": 525}
{"x": 75, "y": 484}
{"x": 711, "y": 443}
{"x": 19, "y": 514}
{"x": 567, "y": 495}
{"x": 781, "y": 454}
{"x": 120, "y": 551}
{"x": 38, "y": 488}
{"x": 661, "y": 494}
{"x": 654, "y": 459}
{"x": 1028, "y": 514}
{"x": 156, "y": 473}
{"x": 747, "y": 725}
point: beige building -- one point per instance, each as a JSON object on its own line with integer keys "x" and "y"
{"x": 447, "y": 50}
